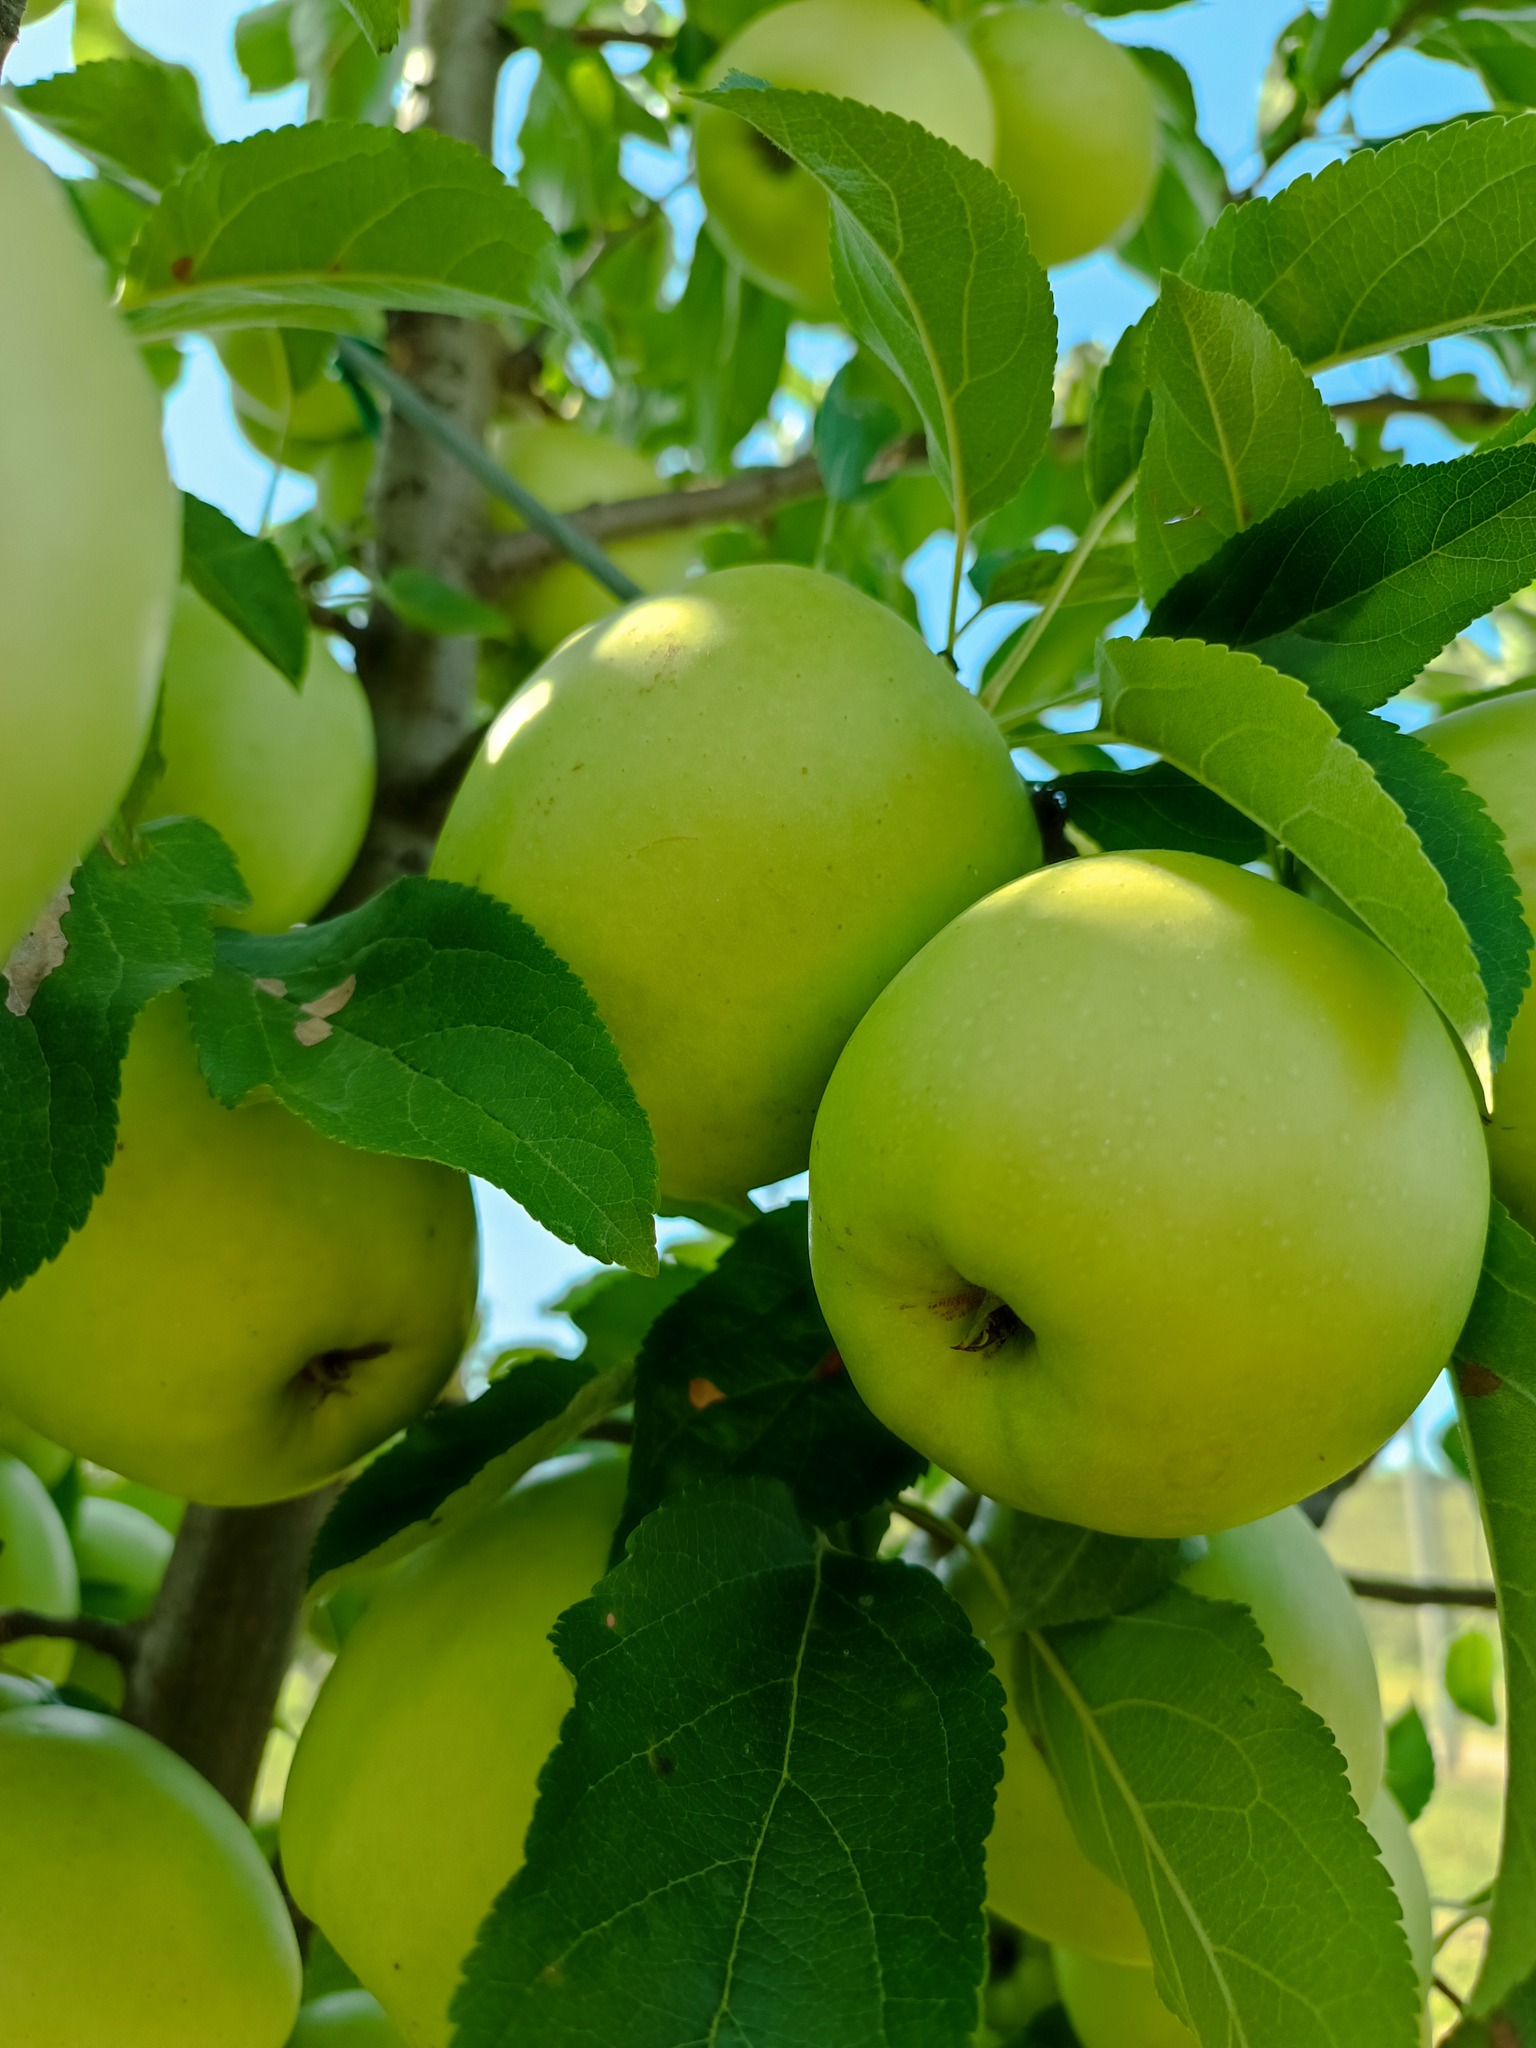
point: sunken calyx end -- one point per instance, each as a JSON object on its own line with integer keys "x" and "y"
{"x": 984, "y": 1321}
{"x": 329, "y": 1372}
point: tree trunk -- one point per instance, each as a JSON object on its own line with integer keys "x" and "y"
{"x": 216, "y": 1647}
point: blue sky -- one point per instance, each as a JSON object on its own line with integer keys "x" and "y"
{"x": 1224, "y": 44}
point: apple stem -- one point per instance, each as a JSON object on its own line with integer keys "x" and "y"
{"x": 921, "y": 1516}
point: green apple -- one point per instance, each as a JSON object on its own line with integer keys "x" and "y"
{"x": 347, "y": 2019}
{"x": 37, "y": 1569}
{"x": 736, "y": 811}
{"x": 16, "y": 1691}
{"x": 1037, "y": 1875}
{"x": 135, "y": 1909}
{"x": 249, "y": 1306}
{"x": 1149, "y": 1197}
{"x": 293, "y": 408}
{"x": 1492, "y": 747}
{"x": 285, "y": 775}
{"x": 90, "y": 538}
{"x": 415, "y": 1778}
{"x": 767, "y": 213}
{"x": 1388, "y": 1824}
{"x": 122, "y": 1554}
{"x": 568, "y": 468}
{"x": 49, "y": 1461}
{"x": 1077, "y": 135}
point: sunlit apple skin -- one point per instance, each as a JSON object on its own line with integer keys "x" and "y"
{"x": 568, "y": 468}
{"x": 1037, "y": 1875}
{"x": 895, "y": 55}
{"x": 736, "y": 811}
{"x": 37, "y": 1570}
{"x": 205, "y": 1331}
{"x": 90, "y": 538}
{"x": 285, "y": 775}
{"x": 347, "y": 2019}
{"x": 122, "y": 1554}
{"x": 1492, "y": 747}
{"x": 1149, "y": 1197}
{"x": 415, "y": 1777}
{"x": 135, "y": 1908}
{"x": 1077, "y": 137}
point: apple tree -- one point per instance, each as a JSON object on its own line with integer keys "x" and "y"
{"x": 902, "y": 1622}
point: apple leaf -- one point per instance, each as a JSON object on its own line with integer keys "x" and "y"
{"x": 1238, "y": 429}
{"x": 1354, "y": 588}
{"x": 1057, "y": 1574}
{"x": 1470, "y": 1669}
{"x": 1121, "y": 417}
{"x": 458, "y": 1460}
{"x": 136, "y": 121}
{"x": 765, "y": 1816}
{"x": 1467, "y": 848}
{"x": 1410, "y": 1774}
{"x": 427, "y": 604}
{"x": 932, "y": 265}
{"x": 379, "y": 21}
{"x": 1157, "y": 806}
{"x": 1261, "y": 741}
{"x": 133, "y": 926}
{"x": 1200, "y": 1782}
{"x": 614, "y": 1310}
{"x": 247, "y": 580}
{"x": 1107, "y": 577}
{"x": 433, "y": 1023}
{"x": 1496, "y": 1394}
{"x": 325, "y": 226}
{"x": 740, "y": 1377}
{"x": 1502, "y": 52}
{"x": 1432, "y": 235}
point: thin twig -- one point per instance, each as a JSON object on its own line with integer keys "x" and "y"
{"x": 116, "y": 1639}
{"x": 928, "y": 1519}
{"x": 1076, "y": 562}
{"x": 1424, "y": 1592}
{"x": 11, "y": 12}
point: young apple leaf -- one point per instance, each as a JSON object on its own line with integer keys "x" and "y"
{"x": 1410, "y": 1763}
{"x": 931, "y": 261}
{"x": 1157, "y": 806}
{"x": 1058, "y": 1574}
{"x": 137, "y": 121}
{"x": 1467, "y": 848}
{"x": 429, "y": 605}
{"x": 1238, "y": 430}
{"x": 379, "y": 21}
{"x": 434, "y": 1023}
{"x": 1354, "y": 588}
{"x": 127, "y": 929}
{"x": 1261, "y": 741}
{"x": 1200, "y": 1782}
{"x": 1346, "y": 26}
{"x": 1122, "y": 414}
{"x": 327, "y": 225}
{"x": 1470, "y": 1668}
{"x": 615, "y": 1311}
{"x": 248, "y": 581}
{"x": 764, "y": 1820}
{"x": 1108, "y": 577}
{"x": 458, "y": 1460}
{"x": 740, "y": 1377}
{"x": 1496, "y": 1394}
{"x": 1191, "y": 188}
{"x": 1432, "y": 235}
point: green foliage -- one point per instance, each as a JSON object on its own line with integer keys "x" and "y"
{"x": 434, "y": 1023}
{"x": 1410, "y": 1774}
{"x": 739, "y": 1377}
{"x": 1157, "y": 806}
{"x": 324, "y": 226}
{"x": 779, "y": 1766}
{"x": 379, "y": 21}
{"x": 1057, "y": 1574}
{"x": 248, "y": 581}
{"x": 1258, "y": 739}
{"x": 932, "y": 266}
{"x": 133, "y": 119}
{"x": 424, "y": 601}
{"x": 1201, "y": 1782}
{"x": 135, "y": 924}
{"x": 1470, "y": 1667}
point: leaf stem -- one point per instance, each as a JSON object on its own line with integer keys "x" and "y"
{"x": 369, "y": 365}
{"x": 1076, "y": 562}
{"x": 921, "y": 1516}
{"x": 954, "y": 594}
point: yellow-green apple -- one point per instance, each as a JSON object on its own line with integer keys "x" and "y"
{"x": 894, "y": 55}
{"x": 1149, "y": 1197}
{"x": 568, "y": 468}
{"x": 1492, "y": 747}
{"x": 89, "y": 543}
{"x": 736, "y": 811}
{"x": 37, "y": 1570}
{"x": 1037, "y": 1875}
{"x": 135, "y": 1908}
{"x": 1389, "y": 1826}
{"x": 1077, "y": 138}
{"x": 415, "y": 1778}
{"x": 293, "y": 408}
{"x": 122, "y": 1554}
{"x": 16, "y": 1691}
{"x": 347, "y": 2019}
{"x": 249, "y": 1306}
{"x": 285, "y": 775}
{"x": 49, "y": 1461}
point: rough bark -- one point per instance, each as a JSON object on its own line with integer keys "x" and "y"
{"x": 213, "y": 1653}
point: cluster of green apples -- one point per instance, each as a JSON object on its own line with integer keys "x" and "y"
{"x": 1065, "y": 117}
